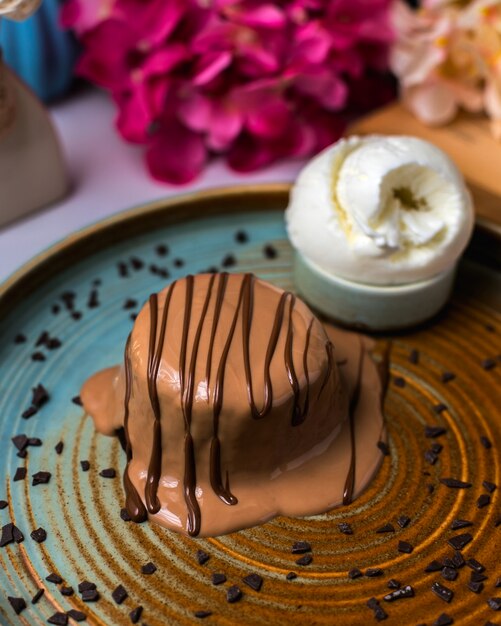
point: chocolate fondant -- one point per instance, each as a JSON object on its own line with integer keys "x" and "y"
{"x": 238, "y": 405}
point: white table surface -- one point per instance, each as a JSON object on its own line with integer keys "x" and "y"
{"x": 108, "y": 176}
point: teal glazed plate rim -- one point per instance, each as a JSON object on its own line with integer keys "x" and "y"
{"x": 67, "y": 313}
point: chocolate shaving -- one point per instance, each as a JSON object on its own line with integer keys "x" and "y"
{"x": 67, "y": 591}
{"x": 29, "y": 412}
{"x": 149, "y": 568}
{"x": 449, "y": 573}
{"x": 90, "y": 595}
{"x": 241, "y": 236}
{"x": 446, "y": 377}
{"x": 291, "y": 575}
{"x": 202, "y": 557}
{"x": 18, "y": 604}
{"x": 475, "y": 577}
{"x": 434, "y": 431}
{"x": 405, "y": 547}
{"x": 460, "y": 523}
{"x": 136, "y": 263}
{"x": 454, "y": 483}
{"x": 440, "y": 407}
{"x": 37, "y": 596}
{"x": 124, "y": 514}
{"x": 379, "y": 613}
{"x": 130, "y": 304}
{"x": 398, "y": 594}
{"x": 85, "y": 465}
{"x": 444, "y": 593}
{"x": 229, "y": 261}
{"x": 20, "y": 441}
{"x": 119, "y": 594}
{"x": 460, "y": 541}
{"x": 457, "y": 560}
{"x": 384, "y": 448}
{"x": 488, "y": 364}
{"x": 414, "y": 357}
{"x": 86, "y": 586}
{"x": 476, "y": 587}
{"x": 483, "y": 500}
{"x": 399, "y": 381}
{"x": 254, "y": 581}
{"x": 135, "y": 614}
{"x": 40, "y": 396}
{"x": 77, "y": 400}
{"x": 475, "y": 565}
{"x": 218, "y": 578}
{"x": 59, "y": 447}
{"x": 387, "y": 528}
{"x": 233, "y": 594}
{"x": 403, "y": 521}
{"x": 60, "y": 619}
{"x": 54, "y": 578}
{"x": 108, "y": 473}
{"x": 39, "y": 535}
{"x": 20, "y": 474}
{"x": 78, "y": 616}
{"x": 488, "y": 486}
{"x": 430, "y": 457}
{"x": 40, "y": 478}
{"x": 306, "y": 559}
{"x": 270, "y": 252}
{"x": 374, "y": 572}
{"x": 3, "y": 504}
{"x": 345, "y": 528}
{"x": 354, "y": 573}
{"x": 20, "y": 338}
{"x": 202, "y": 614}
{"x": 393, "y": 584}
{"x": 300, "y": 547}
{"x": 443, "y": 620}
{"x": 494, "y": 603}
{"x": 486, "y": 442}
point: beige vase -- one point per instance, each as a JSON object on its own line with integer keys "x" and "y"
{"x": 32, "y": 169}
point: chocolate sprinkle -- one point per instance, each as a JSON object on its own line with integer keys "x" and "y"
{"x": 486, "y": 442}
{"x": 374, "y": 572}
{"x": 40, "y": 478}
{"x": 37, "y": 596}
{"x": 444, "y": 593}
{"x": 202, "y": 614}
{"x": 403, "y": 521}
{"x": 354, "y": 573}
{"x": 398, "y": 594}
{"x": 306, "y": 559}
{"x": 460, "y": 541}
{"x": 483, "y": 500}
{"x": 446, "y": 377}
{"x": 18, "y": 604}
{"x": 460, "y": 523}
{"x": 119, "y": 594}
{"x": 54, "y": 578}
{"x": 443, "y": 620}
{"x": 20, "y": 474}
{"x": 59, "y": 447}
{"x": 384, "y": 448}
{"x": 488, "y": 486}
{"x": 61, "y": 619}
{"x": 149, "y": 568}
{"x": 453, "y": 483}
{"x": 345, "y": 528}
{"x": 404, "y": 546}
{"x": 387, "y": 528}
{"x": 218, "y": 578}
{"x": 90, "y": 595}
{"x": 300, "y": 547}
{"x": 449, "y": 573}
{"x": 494, "y": 603}
{"x": 108, "y": 473}
{"x": 202, "y": 557}
{"x": 254, "y": 581}
{"x": 78, "y": 616}
{"x": 39, "y": 535}
{"x": 135, "y": 614}
{"x": 85, "y": 465}
{"x": 233, "y": 594}
{"x": 291, "y": 575}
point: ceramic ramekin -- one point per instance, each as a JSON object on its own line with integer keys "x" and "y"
{"x": 375, "y": 307}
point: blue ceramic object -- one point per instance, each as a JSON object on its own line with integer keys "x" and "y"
{"x": 40, "y": 52}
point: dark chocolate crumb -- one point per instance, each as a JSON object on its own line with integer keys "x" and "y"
{"x": 59, "y": 447}
{"x": 42, "y": 339}
{"x": 37, "y": 596}
{"x": 39, "y": 535}
{"x": 379, "y": 613}
{"x": 387, "y": 528}
{"x": 136, "y": 263}
{"x": 454, "y": 483}
{"x": 430, "y": 457}
{"x": 241, "y": 236}
{"x": 40, "y": 396}
{"x": 85, "y": 465}
{"x": 483, "y": 500}
{"x": 270, "y": 252}
{"x": 135, "y": 614}
{"x": 119, "y": 594}
{"x": 486, "y": 442}
{"x": 449, "y": 573}
{"x": 77, "y": 400}
{"x": 254, "y": 581}
{"x": 414, "y": 357}
{"x": 18, "y": 604}
{"x": 488, "y": 486}
{"x": 34, "y": 441}
{"x": 488, "y": 364}
{"x": 178, "y": 262}
{"x": 124, "y": 514}
{"x": 20, "y": 474}
{"x": 476, "y": 577}
{"x": 54, "y": 343}
{"x": 345, "y": 528}
{"x": 133, "y": 316}
{"x": 405, "y": 547}
{"x": 20, "y": 338}
{"x": 54, "y": 578}
{"x": 67, "y": 591}
{"x": 398, "y": 594}
{"x": 403, "y": 521}
{"x": 3, "y": 504}
{"x": 374, "y": 572}
{"x": 60, "y": 619}
{"x": 202, "y": 614}
{"x": 123, "y": 270}
{"x": 202, "y": 557}
{"x": 130, "y": 304}
{"x": 90, "y": 595}
{"x": 446, "y": 377}
{"x": 22, "y": 454}
{"x": 494, "y": 603}
{"x": 306, "y": 559}
{"x": 229, "y": 261}
{"x": 384, "y": 448}
{"x": 38, "y": 356}
{"x": 29, "y": 412}
{"x": 354, "y": 573}
{"x": 436, "y": 447}
{"x": 440, "y": 407}
{"x": 444, "y": 593}
{"x": 457, "y": 560}
{"x": 498, "y": 582}
{"x": 40, "y": 478}
{"x": 78, "y": 616}
{"x": 10, "y": 533}
{"x": 149, "y": 568}
{"x": 460, "y": 541}
{"x": 233, "y": 594}
{"x": 443, "y": 620}
{"x": 300, "y": 547}
{"x": 430, "y": 488}
{"x": 108, "y": 473}
{"x": 434, "y": 431}
{"x": 76, "y": 315}
{"x": 460, "y": 523}
{"x": 447, "y": 562}
{"x": 55, "y": 309}
{"x": 86, "y": 586}
{"x": 218, "y": 578}
{"x": 475, "y": 566}
{"x": 393, "y": 584}
{"x": 20, "y": 441}
{"x": 476, "y": 587}
{"x": 398, "y": 381}
{"x": 162, "y": 249}
{"x": 93, "y": 300}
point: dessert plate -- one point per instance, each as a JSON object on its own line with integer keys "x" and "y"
{"x": 76, "y": 301}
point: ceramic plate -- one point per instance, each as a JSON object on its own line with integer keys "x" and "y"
{"x": 446, "y": 375}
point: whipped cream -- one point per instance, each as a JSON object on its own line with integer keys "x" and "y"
{"x": 381, "y": 210}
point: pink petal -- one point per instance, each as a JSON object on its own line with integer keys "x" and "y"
{"x": 211, "y": 65}
{"x": 432, "y": 103}
{"x": 269, "y": 120}
{"x": 326, "y": 88}
{"x": 176, "y": 155}
{"x": 153, "y": 20}
{"x": 134, "y": 117}
{"x": 195, "y": 111}
{"x": 255, "y": 61}
{"x": 226, "y": 124}
{"x": 264, "y": 16}
{"x": 164, "y": 60}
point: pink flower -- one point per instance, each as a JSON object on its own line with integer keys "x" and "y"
{"x": 252, "y": 79}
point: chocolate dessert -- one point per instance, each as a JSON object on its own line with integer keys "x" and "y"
{"x": 238, "y": 405}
